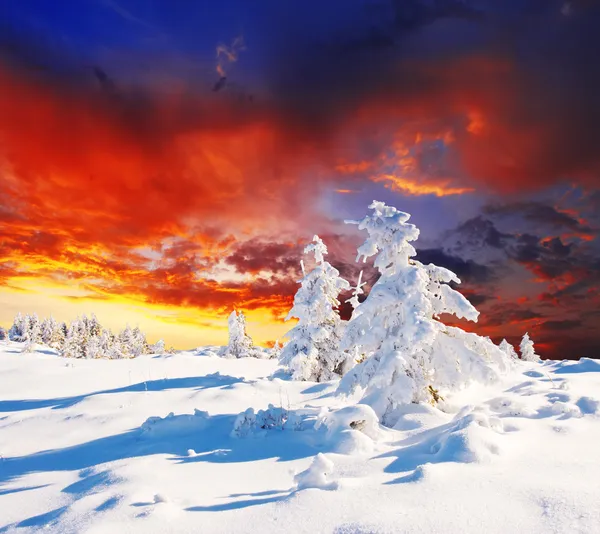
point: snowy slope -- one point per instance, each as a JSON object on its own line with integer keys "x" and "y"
{"x": 77, "y": 453}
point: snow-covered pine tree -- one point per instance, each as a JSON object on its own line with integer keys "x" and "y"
{"x": 47, "y": 328}
{"x": 34, "y": 329}
{"x": 240, "y": 343}
{"x": 126, "y": 342}
{"x": 508, "y": 349}
{"x": 18, "y": 330}
{"x": 3, "y": 334}
{"x": 313, "y": 350}
{"x": 58, "y": 336}
{"x": 527, "y": 350}
{"x": 93, "y": 326}
{"x": 93, "y": 348}
{"x": 112, "y": 346}
{"x": 409, "y": 356}
{"x": 158, "y": 347}
{"x": 139, "y": 345}
{"x": 74, "y": 346}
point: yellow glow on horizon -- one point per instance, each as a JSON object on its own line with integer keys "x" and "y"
{"x": 179, "y": 326}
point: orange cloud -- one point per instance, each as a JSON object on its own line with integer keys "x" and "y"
{"x": 412, "y": 187}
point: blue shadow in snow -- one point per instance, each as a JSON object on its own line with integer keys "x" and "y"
{"x": 19, "y": 490}
{"x": 261, "y": 497}
{"x": 317, "y": 388}
{"x": 236, "y": 505}
{"x": 209, "y": 437}
{"x": 215, "y": 380}
{"x": 416, "y": 450}
{"x": 42, "y": 520}
{"x": 585, "y": 365}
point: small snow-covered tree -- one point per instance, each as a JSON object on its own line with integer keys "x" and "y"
{"x": 58, "y": 336}
{"x": 74, "y": 346}
{"x": 527, "y": 350}
{"x": 126, "y": 341}
{"x": 240, "y": 343}
{"x": 113, "y": 347}
{"x": 408, "y": 355}
{"x": 313, "y": 350}
{"x": 47, "y": 327}
{"x": 139, "y": 344}
{"x": 158, "y": 347}
{"x": 93, "y": 348}
{"x": 18, "y": 330}
{"x": 508, "y": 349}
{"x": 34, "y": 329}
{"x": 3, "y": 334}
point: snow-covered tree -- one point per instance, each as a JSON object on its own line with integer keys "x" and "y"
{"x": 47, "y": 328}
{"x": 139, "y": 344}
{"x": 74, "y": 346}
{"x": 83, "y": 338}
{"x": 93, "y": 348}
{"x": 240, "y": 343}
{"x": 18, "y": 330}
{"x": 408, "y": 355}
{"x": 158, "y": 347}
{"x": 508, "y": 349}
{"x": 527, "y": 350}
{"x": 313, "y": 350}
{"x": 59, "y": 335}
{"x": 3, "y": 334}
{"x": 34, "y": 329}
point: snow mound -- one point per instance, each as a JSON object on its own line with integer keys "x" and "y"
{"x": 565, "y": 409}
{"x": 155, "y": 427}
{"x": 318, "y": 475}
{"x": 471, "y": 438}
{"x": 584, "y": 365}
{"x": 510, "y": 407}
{"x": 350, "y": 430}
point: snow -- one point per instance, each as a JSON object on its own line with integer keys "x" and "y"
{"x": 148, "y": 445}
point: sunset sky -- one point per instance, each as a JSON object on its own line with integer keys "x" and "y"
{"x": 164, "y": 161}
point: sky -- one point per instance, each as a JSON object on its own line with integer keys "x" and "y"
{"x": 163, "y": 162}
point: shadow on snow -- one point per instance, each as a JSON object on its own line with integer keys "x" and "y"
{"x": 197, "y": 382}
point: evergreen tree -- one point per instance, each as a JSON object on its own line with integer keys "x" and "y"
{"x": 34, "y": 329}
{"x": 139, "y": 344}
{"x": 313, "y": 350}
{"x": 240, "y": 343}
{"x": 74, "y": 346}
{"x": 18, "y": 330}
{"x": 158, "y": 347}
{"x": 508, "y": 349}
{"x": 408, "y": 355}
{"x": 93, "y": 348}
{"x": 527, "y": 350}
{"x": 126, "y": 342}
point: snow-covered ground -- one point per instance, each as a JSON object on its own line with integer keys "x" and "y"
{"x": 78, "y": 452}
